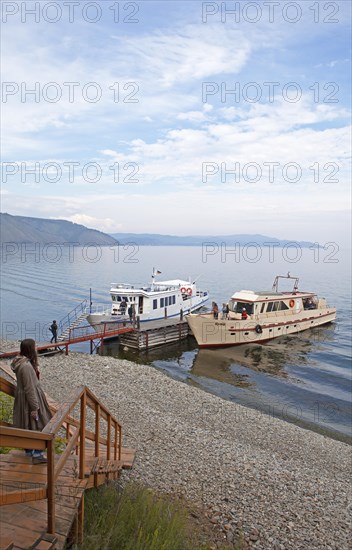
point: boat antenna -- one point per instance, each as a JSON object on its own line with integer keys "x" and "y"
{"x": 153, "y": 277}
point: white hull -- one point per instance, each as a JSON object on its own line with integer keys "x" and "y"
{"x": 100, "y": 320}
{"x": 210, "y": 332}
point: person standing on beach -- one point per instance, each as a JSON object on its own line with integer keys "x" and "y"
{"x": 53, "y": 330}
{"x": 31, "y": 410}
{"x": 215, "y": 310}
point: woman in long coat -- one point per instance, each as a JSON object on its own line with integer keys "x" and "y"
{"x": 31, "y": 410}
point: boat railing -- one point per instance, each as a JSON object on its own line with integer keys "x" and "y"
{"x": 71, "y": 317}
{"x": 99, "y": 308}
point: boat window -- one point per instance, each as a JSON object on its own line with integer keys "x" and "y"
{"x": 276, "y": 306}
{"x": 161, "y": 302}
{"x": 166, "y": 301}
{"x": 174, "y": 299}
{"x": 155, "y": 304}
{"x": 283, "y": 306}
{"x": 118, "y": 298}
{"x": 113, "y": 298}
{"x": 237, "y": 307}
{"x": 262, "y": 308}
{"x": 270, "y": 307}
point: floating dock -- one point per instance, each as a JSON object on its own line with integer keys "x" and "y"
{"x": 155, "y": 333}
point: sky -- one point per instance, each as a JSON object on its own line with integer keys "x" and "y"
{"x": 183, "y": 118}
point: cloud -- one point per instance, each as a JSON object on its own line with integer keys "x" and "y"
{"x": 107, "y": 225}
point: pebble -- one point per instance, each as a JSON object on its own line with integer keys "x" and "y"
{"x": 271, "y": 481}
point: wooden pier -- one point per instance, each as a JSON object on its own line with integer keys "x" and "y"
{"x": 147, "y": 335}
{"x": 75, "y": 336}
{"x": 43, "y": 505}
{"x": 156, "y": 333}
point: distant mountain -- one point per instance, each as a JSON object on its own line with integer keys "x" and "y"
{"x": 20, "y": 229}
{"x": 154, "y": 239}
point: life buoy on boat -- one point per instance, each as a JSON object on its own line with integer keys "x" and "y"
{"x": 258, "y": 329}
{"x": 189, "y": 291}
{"x": 291, "y": 303}
{"x": 183, "y": 290}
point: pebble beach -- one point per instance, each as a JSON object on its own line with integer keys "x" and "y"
{"x": 281, "y": 486}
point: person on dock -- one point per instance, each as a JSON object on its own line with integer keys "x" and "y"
{"x": 31, "y": 410}
{"x": 131, "y": 313}
{"x": 215, "y": 310}
{"x": 53, "y": 329}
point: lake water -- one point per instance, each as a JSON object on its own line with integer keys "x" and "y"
{"x": 304, "y": 378}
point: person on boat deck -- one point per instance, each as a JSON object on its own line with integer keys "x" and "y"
{"x": 244, "y": 314}
{"x": 53, "y": 329}
{"x": 30, "y": 410}
{"x": 123, "y": 307}
{"x": 215, "y": 310}
{"x": 225, "y": 311}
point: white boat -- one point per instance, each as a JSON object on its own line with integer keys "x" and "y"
{"x": 154, "y": 301}
{"x": 261, "y": 316}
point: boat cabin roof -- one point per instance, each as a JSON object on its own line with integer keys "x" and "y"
{"x": 158, "y": 286}
{"x": 259, "y": 296}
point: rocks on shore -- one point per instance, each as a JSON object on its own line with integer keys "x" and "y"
{"x": 277, "y": 485}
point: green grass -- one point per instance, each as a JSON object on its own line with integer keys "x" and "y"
{"x": 6, "y": 409}
{"x": 137, "y": 519}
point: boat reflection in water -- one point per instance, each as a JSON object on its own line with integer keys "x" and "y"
{"x": 285, "y": 378}
{"x": 239, "y": 365}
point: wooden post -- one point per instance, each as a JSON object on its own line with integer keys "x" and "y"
{"x": 108, "y": 447}
{"x": 120, "y": 442}
{"x": 80, "y": 521}
{"x": 97, "y": 438}
{"x": 82, "y": 437}
{"x": 115, "y": 442}
{"x": 138, "y": 322}
{"x": 51, "y": 487}
{"x": 181, "y": 314}
{"x": 66, "y": 353}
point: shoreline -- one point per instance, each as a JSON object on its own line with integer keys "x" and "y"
{"x": 284, "y": 486}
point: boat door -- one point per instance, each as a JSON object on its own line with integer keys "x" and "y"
{"x": 140, "y": 304}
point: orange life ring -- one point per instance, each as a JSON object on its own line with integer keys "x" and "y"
{"x": 189, "y": 291}
{"x": 183, "y": 290}
{"x": 292, "y": 303}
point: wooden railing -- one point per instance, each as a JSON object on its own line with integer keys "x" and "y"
{"x": 76, "y": 436}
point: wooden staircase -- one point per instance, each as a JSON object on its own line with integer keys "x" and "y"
{"x": 43, "y": 505}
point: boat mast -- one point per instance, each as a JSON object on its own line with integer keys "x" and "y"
{"x": 153, "y": 277}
